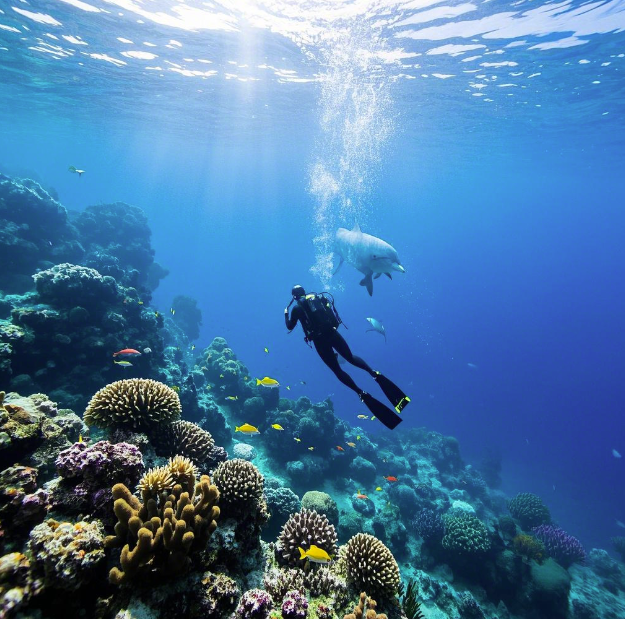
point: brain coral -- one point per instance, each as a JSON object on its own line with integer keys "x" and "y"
{"x": 304, "y": 529}
{"x": 529, "y": 510}
{"x": 465, "y": 534}
{"x": 186, "y": 439}
{"x": 371, "y": 565}
{"x": 136, "y": 403}
{"x": 240, "y": 486}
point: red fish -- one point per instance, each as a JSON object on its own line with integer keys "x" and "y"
{"x": 126, "y": 352}
{"x": 362, "y": 496}
{"x": 391, "y": 478}
{"x": 339, "y": 448}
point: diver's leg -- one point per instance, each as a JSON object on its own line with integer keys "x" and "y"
{"x": 342, "y": 347}
{"x": 326, "y": 352}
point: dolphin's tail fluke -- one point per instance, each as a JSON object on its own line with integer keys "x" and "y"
{"x": 367, "y": 281}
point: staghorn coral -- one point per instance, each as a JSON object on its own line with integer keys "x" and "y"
{"x": 561, "y": 546}
{"x": 367, "y": 604}
{"x": 186, "y": 439}
{"x": 371, "y": 565}
{"x": 528, "y": 547}
{"x": 304, "y": 529}
{"x": 465, "y": 534}
{"x": 240, "y": 486}
{"x": 529, "y": 510}
{"x": 136, "y": 403}
{"x": 67, "y": 555}
{"x": 159, "y": 534}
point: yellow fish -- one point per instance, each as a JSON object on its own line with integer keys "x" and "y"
{"x": 246, "y": 428}
{"x": 140, "y": 302}
{"x": 363, "y": 416}
{"x": 266, "y": 349}
{"x": 156, "y": 314}
{"x": 277, "y": 426}
{"x": 289, "y": 388}
{"x": 192, "y": 346}
{"x": 173, "y": 311}
{"x": 246, "y": 378}
{"x": 357, "y": 437}
{"x": 221, "y": 376}
{"x": 315, "y": 555}
{"x": 267, "y": 382}
{"x": 311, "y": 449}
{"x": 299, "y": 440}
{"x": 372, "y": 418}
{"x": 124, "y": 364}
{"x": 209, "y": 387}
{"x": 378, "y": 489}
{"x": 352, "y": 444}
{"x": 232, "y": 397}
{"x": 80, "y": 438}
{"x": 176, "y": 388}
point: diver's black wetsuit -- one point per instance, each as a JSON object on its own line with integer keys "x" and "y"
{"x": 326, "y": 344}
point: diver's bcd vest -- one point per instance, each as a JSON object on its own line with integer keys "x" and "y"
{"x": 320, "y": 315}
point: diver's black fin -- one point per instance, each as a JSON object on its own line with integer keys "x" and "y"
{"x": 367, "y": 281}
{"x": 397, "y": 397}
{"x": 380, "y": 411}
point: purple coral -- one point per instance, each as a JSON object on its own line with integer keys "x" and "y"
{"x": 254, "y": 604}
{"x": 294, "y": 606}
{"x": 561, "y": 546}
{"x": 429, "y": 525}
{"x": 101, "y": 464}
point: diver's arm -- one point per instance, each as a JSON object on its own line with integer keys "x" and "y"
{"x": 290, "y": 321}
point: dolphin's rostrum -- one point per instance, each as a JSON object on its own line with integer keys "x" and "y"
{"x": 370, "y": 255}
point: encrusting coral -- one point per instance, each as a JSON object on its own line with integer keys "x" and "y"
{"x": 176, "y": 517}
{"x": 304, "y": 529}
{"x": 371, "y": 565}
{"x": 136, "y": 403}
{"x": 359, "y": 610}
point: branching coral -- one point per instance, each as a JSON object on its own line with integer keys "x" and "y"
{"x": 136, "y": 403}
{"x": 371, "y": 565}
{"x": 304, "y": 529}
{"x": 561, "y": 546}
{"x": 529, "y": 510}
{"x": 159, "y": 534}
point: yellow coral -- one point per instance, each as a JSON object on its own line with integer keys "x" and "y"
{"x": 359, "y": 610}
{"x": 528, "y": 547}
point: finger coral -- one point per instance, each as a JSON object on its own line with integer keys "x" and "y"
{"x": 302, "y": 530}
{"x": 367, "y": 604}
{"x": 159, "y": 534}
{"x": 371, "y": 565}
{"x": 136, "y": 403}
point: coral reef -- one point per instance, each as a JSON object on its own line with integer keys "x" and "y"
{"x": 303, "y": 530}
{"x": 254, "y": 604}
{"x": 134, "y": 403}
{"x": 528, "y": 547}
{"x": 529, "y": 510}
{"x": 365, "y": 604}
{"x": 322, "y": 503}
{"x": 561, "y": 546}
{"x": 159, "y": 534}
{"x": 294, "y": 605}
{"x": 240, "y": 486}
{"x": 465, "y": 534}
{"x": 281, "y": 503}
{"x": 371, "y": 565}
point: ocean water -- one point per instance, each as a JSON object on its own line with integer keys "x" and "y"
{"x": 483, "y": 140}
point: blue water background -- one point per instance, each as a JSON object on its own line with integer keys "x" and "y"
{"x": 510, "y": 227}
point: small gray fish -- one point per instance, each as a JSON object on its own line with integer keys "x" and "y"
{"x": 378, "y": 327}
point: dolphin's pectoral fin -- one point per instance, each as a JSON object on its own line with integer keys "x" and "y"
{"x": 338, "y": 266}
{"x": 388, "y": 275}
{"x": 377, "y": 275}
{"x": 367, "y": 281}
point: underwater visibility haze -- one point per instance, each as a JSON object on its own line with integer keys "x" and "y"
{"x": 170, "y": 170}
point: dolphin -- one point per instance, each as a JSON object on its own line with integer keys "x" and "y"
{"x": 377, "y": 326}
{"x": 368, "y": 254}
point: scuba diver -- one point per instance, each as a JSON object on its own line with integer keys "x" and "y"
{"x": 320, "y": 321}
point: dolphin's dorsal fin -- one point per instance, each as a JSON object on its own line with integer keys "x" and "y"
{"x": 356, "y": 228}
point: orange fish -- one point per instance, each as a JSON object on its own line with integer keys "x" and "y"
{"x": 339, "y": 448}
{"x": 391, "y": 478}
{"x": 362, "y": 496}
{"x": 126, "y": 352}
